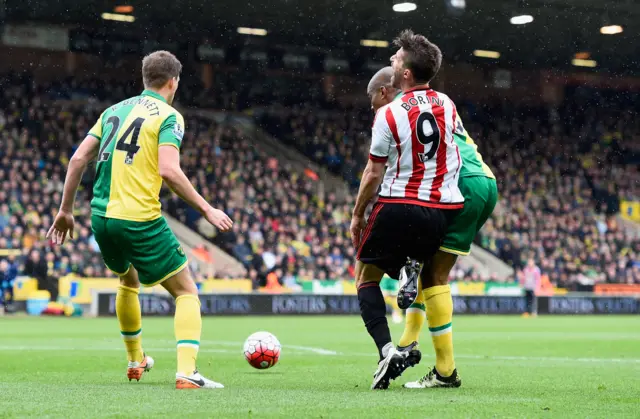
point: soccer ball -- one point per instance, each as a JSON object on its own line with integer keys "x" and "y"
{"x": 262, "y": 350}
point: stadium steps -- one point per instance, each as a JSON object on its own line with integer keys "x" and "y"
{"x": 190, "y": 239}
{"x": 486, "y": 264}
{"x": 275, "y": 148}
{"x": 481, "y": 260}
{"x": 327, "y": 180}
{"x": 628, "y": 225}
{"x": 218, "y": 260}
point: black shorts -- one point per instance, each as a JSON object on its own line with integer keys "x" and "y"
{"x": 397, "y": 231}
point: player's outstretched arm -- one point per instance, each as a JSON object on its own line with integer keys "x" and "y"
{"x": 86, "y": 152}
{"x": 172, "y": 174}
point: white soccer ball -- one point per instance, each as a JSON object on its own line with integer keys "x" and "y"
{"x": 262, "y": 350}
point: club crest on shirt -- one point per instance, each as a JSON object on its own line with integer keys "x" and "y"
{"x": 178, "y": 131}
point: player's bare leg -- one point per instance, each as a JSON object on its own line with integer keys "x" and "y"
{"x": 130, "y": 319}
{"x": 439, "y": 305}
{"x": 373, "y": 310}
{"x": 188, "y": 327}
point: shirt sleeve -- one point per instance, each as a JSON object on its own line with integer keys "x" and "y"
{"x": 96, "y": 130}
{"x": 172, "y": 131}
{"x": 459, "y": 127}
{"x": 381, "y": 137}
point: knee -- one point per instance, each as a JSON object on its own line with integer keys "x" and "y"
{"x": 130, "y": 278}
{"x": 362, "y": 279}
{"x": 367, "y": 273}
{"x": 129, "y": 282}
{"x": 441, "y": 279}
{"x": 186, "y": 288}
{"x": 434, "y": 279}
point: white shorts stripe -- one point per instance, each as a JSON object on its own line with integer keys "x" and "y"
{"x": 416, "y": 310}
{"x": 190, "y": 345}
{"x": 442, "y": 332}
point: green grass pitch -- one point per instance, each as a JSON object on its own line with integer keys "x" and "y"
{"x": 573, "y": 366}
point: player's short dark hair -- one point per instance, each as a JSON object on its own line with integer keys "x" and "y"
{"x": 422, "y": 57}
{"x": 158, "y": 68}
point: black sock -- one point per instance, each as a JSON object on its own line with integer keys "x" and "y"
{"x": 373, "y": 310}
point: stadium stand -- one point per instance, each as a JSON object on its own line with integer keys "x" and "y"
{"x": 560, "y": 207}
{"x": 289, "y": 231}
{"x": 37, "y": 139}
{"x": 282, "y": 224}
{"x": 573, "y": 169}
{"x": 337, "y": 139}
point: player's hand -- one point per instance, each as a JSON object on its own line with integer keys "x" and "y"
{"x": 62, "y": 225}
{"x": 219, "y": 219}
{"x": 358, "y": 225}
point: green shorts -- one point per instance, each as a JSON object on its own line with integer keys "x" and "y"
{"x": 150, "y": 246}
{"x": 480, "y": 198}
{"x": 388, "y": 285}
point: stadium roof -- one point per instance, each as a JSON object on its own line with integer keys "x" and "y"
{"x": 560, "y": 29}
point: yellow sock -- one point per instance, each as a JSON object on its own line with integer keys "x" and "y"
{"x": 130, "y": 319}
{"x": 439, "y": 306}
{"x": 188, "y": 326}
{"x": 393, "y": 302}
{"x": 415, "y": 317}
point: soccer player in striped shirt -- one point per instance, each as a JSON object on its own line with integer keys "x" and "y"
{"x": 418, "y": 194}
{"x": 478, "y": 186}
{"x": 136, "y": 144}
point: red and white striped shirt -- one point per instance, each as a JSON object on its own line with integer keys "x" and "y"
{"x": 414, "y": 136}
{"x": 531, "y": 277}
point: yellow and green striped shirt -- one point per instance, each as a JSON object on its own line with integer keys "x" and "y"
{"x": 127, "y": 184}
{"x": 472, "y": 162}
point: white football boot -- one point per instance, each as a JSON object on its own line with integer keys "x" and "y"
{"x": 195, "y": 380}
{"x": 389, "y": 368}
{"x": 434, "y": 380}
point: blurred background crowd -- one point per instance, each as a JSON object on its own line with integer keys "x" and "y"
{"x": 561, "y": 171}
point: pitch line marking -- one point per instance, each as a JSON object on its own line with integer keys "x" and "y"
{"x": 319, "y": 351}
{"x": 327, "y": 352}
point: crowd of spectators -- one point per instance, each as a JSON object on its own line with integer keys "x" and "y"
{"x": 37, "y": 140}
{"x": 561, "y": 174}
{"x": 230, "y": 90}
{"x": 338, "y": 139}
{"x": 282, "y": 225}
